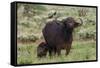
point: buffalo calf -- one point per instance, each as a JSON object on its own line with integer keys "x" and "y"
{"x": 42, "y": 50}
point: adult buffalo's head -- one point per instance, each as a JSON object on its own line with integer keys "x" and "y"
{"x": 71, "y": 23}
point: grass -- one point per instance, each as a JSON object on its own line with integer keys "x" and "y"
{"x": 81, "y": 51}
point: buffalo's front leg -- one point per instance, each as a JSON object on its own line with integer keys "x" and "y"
{"x": 68, "y": 49}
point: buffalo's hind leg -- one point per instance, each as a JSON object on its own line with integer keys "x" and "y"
{"x": 58, "y": 51}
{"x": 50, "y": 52}
{"x": 55, "y": 51}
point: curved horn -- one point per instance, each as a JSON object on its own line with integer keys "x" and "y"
{"x": 81, "y": 21}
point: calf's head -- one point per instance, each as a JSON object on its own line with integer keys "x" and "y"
{"x": 42, "y": 50}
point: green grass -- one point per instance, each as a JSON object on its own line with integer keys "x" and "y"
{"x": 81, "y": 51}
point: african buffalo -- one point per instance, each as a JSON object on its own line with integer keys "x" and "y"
{"x": 42, "y": 50}
{"x": 58, "y": 34}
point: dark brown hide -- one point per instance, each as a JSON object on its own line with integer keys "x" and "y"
{"x": 58, "y": 35}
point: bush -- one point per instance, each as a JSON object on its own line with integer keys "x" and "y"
{"x": 27, "y": 38}
{"x": 87, "y": 34}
